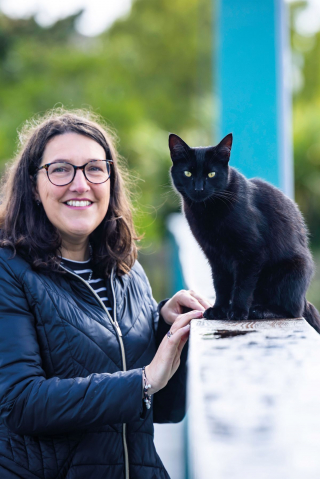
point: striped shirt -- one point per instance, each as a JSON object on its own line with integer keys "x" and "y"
{"x": 84, "y": 270}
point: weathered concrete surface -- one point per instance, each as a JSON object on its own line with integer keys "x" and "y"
{"x": 254, "y": 400}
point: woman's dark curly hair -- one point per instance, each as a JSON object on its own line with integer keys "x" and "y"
{"x": 24, "y": 225}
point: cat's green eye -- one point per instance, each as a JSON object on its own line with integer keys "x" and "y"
{"x": 212, "y": 174}
{"x": 187, "y": 173}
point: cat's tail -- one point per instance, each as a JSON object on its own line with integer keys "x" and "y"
{"x": 311, "y": 314}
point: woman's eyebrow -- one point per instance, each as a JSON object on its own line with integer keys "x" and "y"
{"x": 60, "y": 160}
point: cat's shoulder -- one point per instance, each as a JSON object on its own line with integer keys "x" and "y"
{"x": 263, "y": 186}
{"x": 262, "y": 183}
{"x": 266, "y": 193}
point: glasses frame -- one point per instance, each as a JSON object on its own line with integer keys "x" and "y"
{"x": 75, "y": 168}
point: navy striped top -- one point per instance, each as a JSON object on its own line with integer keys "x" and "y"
{"x": 84, "y": 270}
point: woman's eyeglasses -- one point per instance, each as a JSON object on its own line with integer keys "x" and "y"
{"x": 61, "y": 173}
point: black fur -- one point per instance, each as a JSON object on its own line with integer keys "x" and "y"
{"x": 254, "y": 236}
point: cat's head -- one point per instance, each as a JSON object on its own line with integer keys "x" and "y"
{"x": 198, "y": 173}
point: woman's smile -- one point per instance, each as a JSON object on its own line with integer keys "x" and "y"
{"x": 78, "y": 208}
{"x": 79, "y": 203}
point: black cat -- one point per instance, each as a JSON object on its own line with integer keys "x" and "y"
{"x": 253, "y": 236}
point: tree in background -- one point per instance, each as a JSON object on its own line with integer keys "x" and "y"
{"x": 306, "y": 134}
{"x": 150, "y": 74}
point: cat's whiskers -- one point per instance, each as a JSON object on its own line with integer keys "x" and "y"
{"x": 235, "y": 195}
{"x": 227, "y": 197}
{"x": 232, "y": 197}
{"x": 226, "y": 193}
{"x": 214, "y": 197}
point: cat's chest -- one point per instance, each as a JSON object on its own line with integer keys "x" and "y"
{"x": 214, "y": 234}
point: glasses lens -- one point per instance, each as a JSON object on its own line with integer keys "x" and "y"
{"x": 97, "y": 171}
{"x": 60, "y": 173}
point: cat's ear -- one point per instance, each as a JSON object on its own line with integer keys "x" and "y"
{"x": 178, "y": 148}
{"x": 224, "y": 147}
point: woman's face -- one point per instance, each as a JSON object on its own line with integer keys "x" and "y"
{"x": 75, "y": 223}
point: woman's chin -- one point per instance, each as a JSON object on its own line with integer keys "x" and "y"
{"x": 77, "y": 233}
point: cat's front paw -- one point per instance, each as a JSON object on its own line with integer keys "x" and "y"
{"x": 238, "y": 314}
{"x": 257, "y": 312}
{"x": 217, "y": 312}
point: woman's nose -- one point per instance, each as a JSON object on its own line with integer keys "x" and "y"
{"x": 79, "y": 183}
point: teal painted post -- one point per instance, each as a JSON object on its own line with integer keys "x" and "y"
{"x": 176, "y": 275}
{"x": 252, "y": 87}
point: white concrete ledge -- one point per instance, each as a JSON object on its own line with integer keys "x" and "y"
{"x": 254, "y": 400}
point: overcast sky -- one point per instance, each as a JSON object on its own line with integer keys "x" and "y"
{"x": 100, "y": 14}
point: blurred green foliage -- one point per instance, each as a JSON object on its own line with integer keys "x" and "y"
{"x": 150, "y": 74}
{"x": 306, "y": 135}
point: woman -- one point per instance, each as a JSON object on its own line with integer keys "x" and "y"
{"x": 78, "y": 321}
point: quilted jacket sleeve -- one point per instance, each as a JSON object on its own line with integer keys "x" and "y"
{"x": 30, "y": 404}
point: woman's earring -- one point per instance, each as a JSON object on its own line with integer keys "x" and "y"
{"x": 38, "y": 203}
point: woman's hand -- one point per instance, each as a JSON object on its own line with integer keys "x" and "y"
{"x": 167, "y": 359}
{"x": 183, "y": 299}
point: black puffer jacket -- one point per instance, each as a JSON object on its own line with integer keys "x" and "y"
{"x": 67, "y": 408}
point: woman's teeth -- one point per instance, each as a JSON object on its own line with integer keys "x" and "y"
{"x": 79, "y": 203}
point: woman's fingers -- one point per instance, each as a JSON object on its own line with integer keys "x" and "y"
{"x": 170, "y": 344}
{"x": 183, "y": 299}
{"x": 204, "y": 302}
{"x": 184, "y": 319}
{"x": 160, "y": 370}
{"x": 184, "y": 335}
{"x": 179, "y": 333}
{"x": 167, "y": 357}
{"x": 189, "y": 299}
{"x": 183, "y": 340}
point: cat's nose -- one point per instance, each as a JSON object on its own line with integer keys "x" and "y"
{"x": 198, "y": 186}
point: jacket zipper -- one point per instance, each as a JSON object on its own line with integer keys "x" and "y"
{"x": 123, "y": 356}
